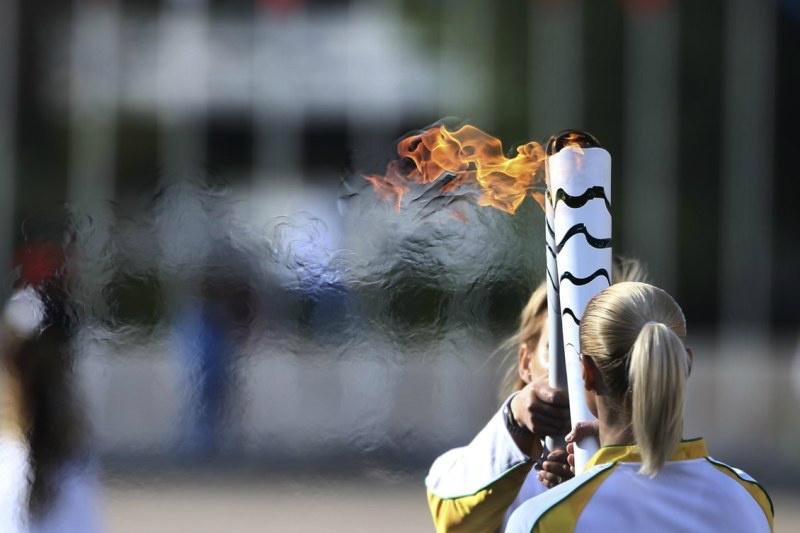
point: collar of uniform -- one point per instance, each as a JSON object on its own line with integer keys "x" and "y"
{"x": 620, "y": 453}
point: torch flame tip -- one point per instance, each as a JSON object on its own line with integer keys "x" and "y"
{"x": 464, "y": 154}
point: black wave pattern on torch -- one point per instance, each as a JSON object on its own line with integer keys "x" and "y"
{"x": 588, "y": 279}
{"x": 573, "y": 347}
{"x": 575, "y": 202}
{"x": 581, "y": 228}
{"x": 582, "y": 281}
{"x": 571, "y": 313}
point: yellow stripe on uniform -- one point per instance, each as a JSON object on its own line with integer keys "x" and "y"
{"x": 686, "y": 450}
{"x": 564, "y": 515}
{"x": 482, "y": 511}
{"x": 756, "y": 491}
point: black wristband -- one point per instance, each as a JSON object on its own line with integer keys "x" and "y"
{"x": 511, "y": 423}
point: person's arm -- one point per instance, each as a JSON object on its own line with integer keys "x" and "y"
{"x": 471, "y": 488}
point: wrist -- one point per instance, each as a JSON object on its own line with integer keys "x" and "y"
{"x": 512, "y": 422}
{"x": 527, "y": 442}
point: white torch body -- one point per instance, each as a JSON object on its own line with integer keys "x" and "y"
{"x": 580, "y": 184}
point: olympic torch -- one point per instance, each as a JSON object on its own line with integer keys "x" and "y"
{"x": 579, "y": 187}
{"x": 577, "y": 213}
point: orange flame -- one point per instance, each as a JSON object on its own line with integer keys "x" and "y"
{"x": 471, "y": 157}
{"x": 574, "y": 140}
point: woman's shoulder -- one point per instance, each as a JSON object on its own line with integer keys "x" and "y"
{"x": 756, "y": 490}
{"x": 559, "y": 500}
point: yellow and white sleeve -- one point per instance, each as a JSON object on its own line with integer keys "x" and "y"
{"x": 471, "y": 488}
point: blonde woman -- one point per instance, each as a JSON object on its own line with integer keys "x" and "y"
{"x": 645, "y": 477}
{"x": 476, "y": 487}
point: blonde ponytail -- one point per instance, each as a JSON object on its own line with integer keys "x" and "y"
{"x": 635, "y": 334}
{"x": 657, "y": 376}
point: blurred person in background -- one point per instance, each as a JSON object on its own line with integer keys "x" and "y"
{"x": 47, "y": 482}
{"x": 645, "y": 477}
{"x": 209, "y": 332}
{"x": 478, "y": 486}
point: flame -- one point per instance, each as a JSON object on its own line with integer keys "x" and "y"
{"x": 574, "y": 140}
{"x": 470, "y": 157}
{"x": 387, "y": 189}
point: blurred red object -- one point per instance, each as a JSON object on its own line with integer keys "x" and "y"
{"x": 38, "y": 262}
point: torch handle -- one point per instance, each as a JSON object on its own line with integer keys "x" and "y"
{"x": 557, "y": 373}
{"x": 584, "y": 451}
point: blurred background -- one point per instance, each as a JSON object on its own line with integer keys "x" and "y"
{"x": 261, "y": 344}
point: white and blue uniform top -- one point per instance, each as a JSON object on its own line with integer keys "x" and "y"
{"x": 476, "y": 487}
{"x": 691, "y": 492}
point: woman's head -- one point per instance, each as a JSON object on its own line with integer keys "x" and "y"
{"x": 530, "y": 343}
{"x": 633, "y": 339}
